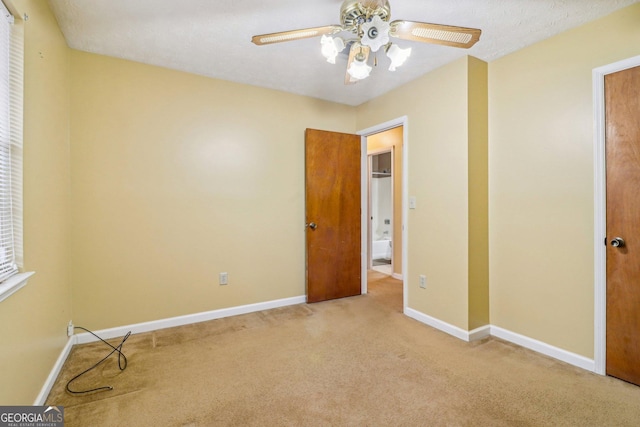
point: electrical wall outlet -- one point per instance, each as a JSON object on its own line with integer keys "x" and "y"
{"x": 224, "y": 278}
{"x": 423, "y": 281}
{"x": 70, "y": 328}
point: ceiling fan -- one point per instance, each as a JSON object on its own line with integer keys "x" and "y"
{"x": 368, "y": 21}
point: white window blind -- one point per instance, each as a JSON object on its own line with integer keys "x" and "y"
{"x": 11, "y": 61}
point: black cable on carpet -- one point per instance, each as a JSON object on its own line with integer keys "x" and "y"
{"x": 122, "y": 363}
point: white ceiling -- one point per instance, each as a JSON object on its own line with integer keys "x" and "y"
{"x": 213, "y": 38}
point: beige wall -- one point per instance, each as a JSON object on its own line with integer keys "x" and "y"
{"x": 541, "y": 180}
{"x": 176, "y": 178}
{"x": 437, "y": 106}
{"x": 33, "y": 320}
{"x": 478, "y": 194}
{"x": 392, "y": 139}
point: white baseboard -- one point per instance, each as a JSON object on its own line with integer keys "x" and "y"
{"x": 397, "y": 276}
{"x": 188, "y": 319}
{"x": 515, "y": 338}
{"x": 46, "y": 388}
{"x": 468, "y": 336}
{"x": 442, "y": 326}
{"x": 155, "y": 325}
{"x": 544, "y": 348}
{"x": 479, "y": 333}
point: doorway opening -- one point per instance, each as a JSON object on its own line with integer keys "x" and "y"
{"x": 381, "y": 224}
{"x": 384, "y": 184}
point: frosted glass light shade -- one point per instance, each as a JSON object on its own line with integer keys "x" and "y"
{"x": 359, "y": 70}
{"x": 398, "y": 56}
{"x": 375, "y": 33}
{"x": 331, "y": 47}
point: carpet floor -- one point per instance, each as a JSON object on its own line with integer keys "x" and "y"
{"x": 350, "y": 362}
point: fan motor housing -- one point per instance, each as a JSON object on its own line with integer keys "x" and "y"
{"x": 354, "y": 13}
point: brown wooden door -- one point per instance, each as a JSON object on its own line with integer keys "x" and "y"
{"x": 622, "y": 104}
{"x": 333, "y": 206}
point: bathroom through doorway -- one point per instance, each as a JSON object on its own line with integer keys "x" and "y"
{"x": 381, "y": 211}
{"x": 384, "y": 155}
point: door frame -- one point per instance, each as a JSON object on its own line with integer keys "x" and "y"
{"x": 394, "y": 123}
{"x": 600, "y": 210}
{"x": 369, "y": 204}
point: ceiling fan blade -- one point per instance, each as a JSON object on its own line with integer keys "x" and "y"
{"x": 434, "y": 33}
{"x": 355, "y": 49}
{"x": 286, "y": 36}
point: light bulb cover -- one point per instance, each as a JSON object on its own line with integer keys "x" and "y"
{"x": 331, "y": 47}
{"x": 397, "y": 56}
{"x": 359, "y": 70}
{"x": 375, "y": 33}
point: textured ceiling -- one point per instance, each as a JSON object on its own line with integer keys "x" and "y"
{"x": 213, "y": 38}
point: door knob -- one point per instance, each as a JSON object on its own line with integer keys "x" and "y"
{"x": 618, "y": 242}
{"x": 313, "y": 225}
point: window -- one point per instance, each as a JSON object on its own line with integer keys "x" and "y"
{"x": 11, "y": 71}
